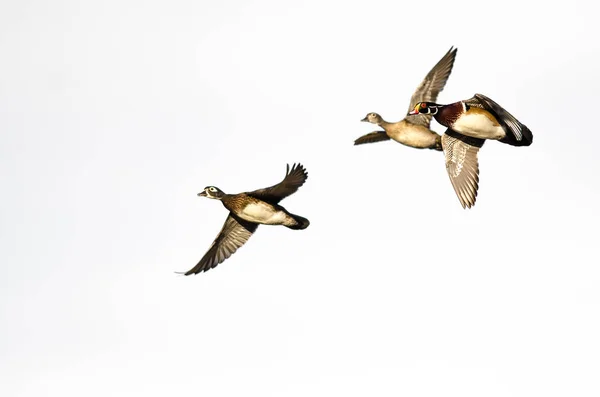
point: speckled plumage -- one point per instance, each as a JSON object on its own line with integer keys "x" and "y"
{"x": 462, "y": 165}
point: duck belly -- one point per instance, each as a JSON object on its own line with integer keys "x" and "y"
{"x": 479, "y": 125}
{"x": 414, "y": 136}
{"x": 264, "y": 213}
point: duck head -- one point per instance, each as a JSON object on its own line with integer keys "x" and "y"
{"x": 425, "y": 108}
{"x": 212, "y": 192}
{"x": 373, "y": 118}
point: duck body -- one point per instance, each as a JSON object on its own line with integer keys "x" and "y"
{"x": 475, "y": 122}
{"x": 412, "y": 135}
{"x": 262, "y": 212}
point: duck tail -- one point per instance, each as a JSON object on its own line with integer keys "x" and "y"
{"x": 438, "y": 143}
{"x": 526, "y": 138}
{"x": 301, "y": 223}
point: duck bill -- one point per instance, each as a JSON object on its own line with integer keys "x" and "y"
{"x": 365, "y": 119}
{"x": 413, "y": 112}
{"x": 202, "y": 194}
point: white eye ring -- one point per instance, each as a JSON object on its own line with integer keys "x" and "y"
{"x": 212, "y": 189}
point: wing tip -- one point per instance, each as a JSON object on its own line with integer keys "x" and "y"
{"x": 195, "y": 270}
{"x": 188, "y": 273}
{"x": 296, "y": 167}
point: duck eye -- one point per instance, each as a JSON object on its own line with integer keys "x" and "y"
{"x": 423, "y": 105}
{"x": 212, "y": 189}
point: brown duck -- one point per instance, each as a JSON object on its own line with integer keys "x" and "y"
{"x": 470, "y": 123}
{"x": 415, "y": 131}
{"x": 247, "y": 211}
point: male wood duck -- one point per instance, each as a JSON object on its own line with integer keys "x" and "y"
{"x": 415, "y": 131}
{"x": 470, "y": 123}
{"x": 247, "y": 211}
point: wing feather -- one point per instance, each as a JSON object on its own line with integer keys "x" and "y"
{"x": 375, "y": 136}
{"x": 292, "y": 181}
{"x": 517, "y": 134}
{"x": 431, "y": 86}
{"x": 462, "y": 165}
{"x": 233, "y": 235}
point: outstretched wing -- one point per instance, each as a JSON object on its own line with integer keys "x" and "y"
{"x": 375, "y": 136}
{"x": 293, "y": 179}
{"x": 233, "y": 235}
{"x": 462, "y": 165}
{"x": 431, "y": 86}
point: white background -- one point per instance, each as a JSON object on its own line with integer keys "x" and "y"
{"x": 114, "y": 114}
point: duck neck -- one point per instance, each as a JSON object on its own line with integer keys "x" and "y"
{"x": 226, "y": 198}
{"x": 438, "y": 116}
{"x": 227, "y": 201}
{"x": 383, "y": 124}
{"x": 448, "y": 114}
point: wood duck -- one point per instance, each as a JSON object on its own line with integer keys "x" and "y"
{"x": 415, "y": 131}
{"x": 478, "y": 117}
{"x": 247, "y": 211}
{"x": 470, "y": 123}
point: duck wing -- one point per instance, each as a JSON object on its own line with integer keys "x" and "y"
{"x": 431, "y": 86}
{"x": 294, "y": 178}
{"x": 233, "y": 235}
{"x": 462, "y": 165}
{"x": 517, "y": 134}
{"x": 375, "y": 136}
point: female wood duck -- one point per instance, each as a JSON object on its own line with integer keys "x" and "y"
{"x": 248, "y": 210}
{"x": 415, "y": 132}
{"x": 470, "y": 123}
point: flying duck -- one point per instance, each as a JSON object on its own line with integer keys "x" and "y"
{"x": 415, "y": 131}
{"x": 248, "y": 210}
{"x": 470, "y": 123}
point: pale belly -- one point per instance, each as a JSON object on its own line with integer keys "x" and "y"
{"x": 263, "y": 213}
{"x": 479, "y": 125}
{"x": 413, "y": 136}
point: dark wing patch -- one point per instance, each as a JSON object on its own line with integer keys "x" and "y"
{"x": 375, "y": 136}
{"x": 431, "y": 86}
{"x": 233, "y": 235}
{"x": 293, "y": 179}
{"x": 462, "y": 165}
{"x": 517, "y": 134}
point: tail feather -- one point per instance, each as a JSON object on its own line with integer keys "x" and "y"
{"x": 517, "y": 133}
{"x": 526, "y": 140}
{"x": 301, "y": 223}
